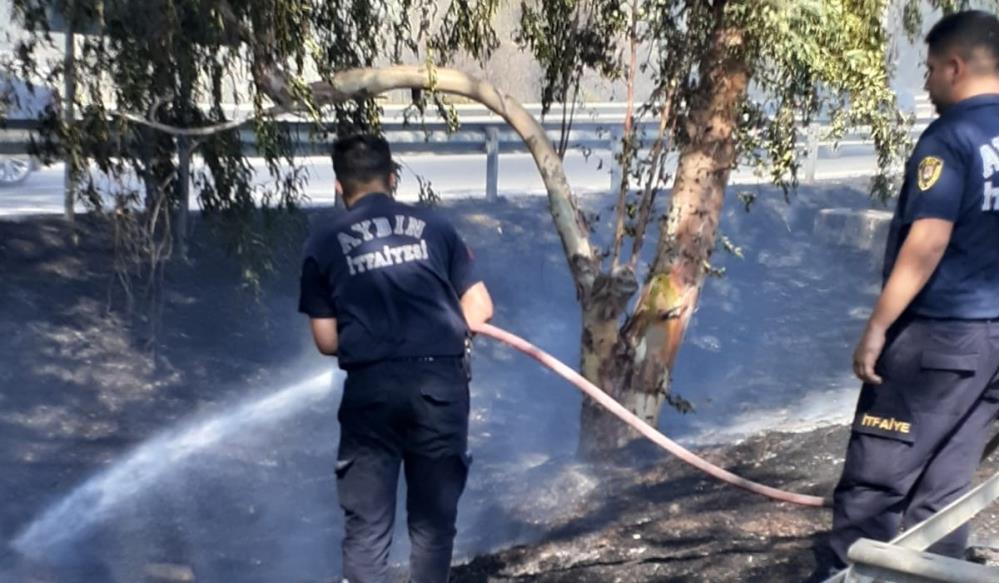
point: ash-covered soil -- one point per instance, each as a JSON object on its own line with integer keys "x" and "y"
{"x": 653, "y": 518}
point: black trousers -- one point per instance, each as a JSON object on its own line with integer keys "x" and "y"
{"x": 918, "y": 437}
{"x": 413, "y": 414}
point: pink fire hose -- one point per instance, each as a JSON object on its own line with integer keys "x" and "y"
{"x": 641, "y": 426}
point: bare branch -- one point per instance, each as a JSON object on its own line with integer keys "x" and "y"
{"x": 189, "y": 132}
{"x": 628, "y": 146}
{"x": 363, "y": 83}
{"x": 649, "y": 195}
{"x": 278, "y": 85}
{"x": 568, "y": 220}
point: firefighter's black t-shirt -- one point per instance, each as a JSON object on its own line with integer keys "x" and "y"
{"x": 392, "y": 275}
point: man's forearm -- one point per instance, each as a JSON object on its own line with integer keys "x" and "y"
{"x": 904, "y": 284}
{"x": 477, "y": 306}
{"x": 917, "y": 260}
{"x": 324, "y": 333}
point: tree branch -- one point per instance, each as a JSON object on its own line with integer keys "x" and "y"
{"x": 568, "y": 220}
{"x": 364, "y": 83}
{"x": 649, "y": 195}
{"x": 628, "y": 146}
{"x": 190, "y": 132}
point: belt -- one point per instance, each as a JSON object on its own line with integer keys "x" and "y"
{"x": 400, "y": 359}
{"x": 956, "y": 320}
{"x": 450, "y": 358}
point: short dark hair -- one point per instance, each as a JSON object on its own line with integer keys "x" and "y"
{"x": 964, "y": 32}
{"x": 360, "y": 159}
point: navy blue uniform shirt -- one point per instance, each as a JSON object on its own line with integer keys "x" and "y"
{"x": 392, "y": 275}
{"x": 953, "y": 174}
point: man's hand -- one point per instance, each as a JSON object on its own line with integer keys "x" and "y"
{"x": 867, "y": 353}
{"x": 918, "y": 258}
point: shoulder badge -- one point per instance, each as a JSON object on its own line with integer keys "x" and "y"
{"x": 929, "y": 172}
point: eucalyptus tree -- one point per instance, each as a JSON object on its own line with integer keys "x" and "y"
{"x": 735, "y": 82}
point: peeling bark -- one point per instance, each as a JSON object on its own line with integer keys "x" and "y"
{"x": 638, "y": 368}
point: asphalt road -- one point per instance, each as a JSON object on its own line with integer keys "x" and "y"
{"x": 461, "y": 176}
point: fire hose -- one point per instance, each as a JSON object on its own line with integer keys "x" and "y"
{"x": 639, "y": 425}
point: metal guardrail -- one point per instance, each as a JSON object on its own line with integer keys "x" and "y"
{"x": 884, "y": 562}
{"x": 904, "y": 560}
{"x": 596, "y": 127}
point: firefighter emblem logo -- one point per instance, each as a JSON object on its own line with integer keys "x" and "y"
{"x": 929, "y": 172}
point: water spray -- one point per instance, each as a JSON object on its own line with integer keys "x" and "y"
{"x": 92, "y": 502}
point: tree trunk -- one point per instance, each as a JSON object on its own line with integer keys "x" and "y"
{"x": 180, "y": 226}
{"x": 184, "y": 151}
{"x": 605, "y": 365}
{"x": 69, "y": 115}
{"x": 635, "y": 365}
{"x": 607, "y": 359}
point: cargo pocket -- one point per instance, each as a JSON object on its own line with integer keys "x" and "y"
{"x": 942, "y": 376}
{"x": 445, "y": 406}
{"x": 883, "y": 412}
{"x": 440, "y": 394}
{"x": 346, "y": 493}
{"x": 342, "y": 466}
{"x": 445, "y": 390}
{"x": 441, "y": 414}
{"x": 962, "y": 364}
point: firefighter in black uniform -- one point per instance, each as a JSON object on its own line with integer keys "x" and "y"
{"x": 930, "y": 353}
{"x": 389, "y": 288}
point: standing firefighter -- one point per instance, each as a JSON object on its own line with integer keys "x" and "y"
{"x": 930, "y": 353}
{"x": 389, "y": 288}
